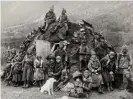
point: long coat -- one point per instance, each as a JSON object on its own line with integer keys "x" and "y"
{"x": 17, "y": 72}
{"x": 108, "y": 65}
{"x": 28, "y": 68}
{"x": 94, "y": 64}
{"x": 50, "y": 17}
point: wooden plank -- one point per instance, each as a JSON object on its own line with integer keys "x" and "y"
{"x": 43, "y": 48}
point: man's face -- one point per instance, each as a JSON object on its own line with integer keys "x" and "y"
{"x": 51, "y": 10}
{"x": 124, "y": 51}
{"x": 63, "y": 12}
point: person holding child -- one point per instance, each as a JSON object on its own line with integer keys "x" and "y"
{"x": 94, "y": 66}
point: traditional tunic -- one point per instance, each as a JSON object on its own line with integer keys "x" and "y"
{"x": 83, "y": 51}
{"x": 19, "y": 57}
{"x": 50, "y": 17}
{"x": 100, "y": 49}
{"x": 39, "y": 73}
{"x": 17, "y": 72}
{"x": 94, "y": 65}
{"x": 108, "y": 65}
{"x": 124, "y": 61}
{"x": 28, "y": 68}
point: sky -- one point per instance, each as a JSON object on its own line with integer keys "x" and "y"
{"x": 19, "y": 12}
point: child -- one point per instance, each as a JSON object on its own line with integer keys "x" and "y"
{"x": 38, "y": 74}
{"x": 87, "y": 80}
{"x": 63, "y": 80}
{"x": 77, "y": 92}
{"x": 17, "y": 74}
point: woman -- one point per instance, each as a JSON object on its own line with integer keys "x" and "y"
{"x": 87, "y": 81}
{"x": 38, "y": 74}
{"x": 108, "y": 67}
{"x": 28, "y": 70}
{"x": 94, "y": 67}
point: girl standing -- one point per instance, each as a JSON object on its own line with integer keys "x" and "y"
{"x": 38, "y": 74}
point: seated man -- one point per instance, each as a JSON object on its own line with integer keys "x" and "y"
{"x": 57, "y": 68}
{"x": 49, "y": 18}
{"x": 62, "y": 25}
{"x": 63, "y": 80}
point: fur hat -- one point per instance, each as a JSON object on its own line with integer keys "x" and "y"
{"x": 124, "y": 47}
{"x": 111, "y": 53}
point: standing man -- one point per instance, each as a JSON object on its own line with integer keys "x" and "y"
{"x": 83, "y": 52}
{"x": 50, "y": 17}
{"x": 60, "y": 52}
{"x": 123, "y": 64}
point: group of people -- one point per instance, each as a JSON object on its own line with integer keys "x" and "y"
{"x": 98, "y": 68}
{"x": 60, "y": 24}
{"x": 102, "y": 73}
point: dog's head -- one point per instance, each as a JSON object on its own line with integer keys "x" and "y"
{"x": 52, "y": 80}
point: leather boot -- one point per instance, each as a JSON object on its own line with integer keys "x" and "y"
{"x": 111, "y": 88}
{"x": 100, "y": 90}
{"x": 24, "y": 84}
{"x": 27, "y": 85}
{"x": 108, "y": 87}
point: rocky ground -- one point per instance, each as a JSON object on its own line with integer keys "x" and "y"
{"x": 9, "y": 92}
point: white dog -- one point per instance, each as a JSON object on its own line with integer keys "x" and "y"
{"x": 48, "y": 86}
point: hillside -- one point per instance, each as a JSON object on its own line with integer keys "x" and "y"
{"x": 109, "y": 18}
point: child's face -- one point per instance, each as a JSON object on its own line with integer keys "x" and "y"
{"x": 87, "y": 73}
{"x": 93, "y": 56}
{"x": 51, "y": 60}
{"x": 58, "y": 60}
{"x": 78, "y": 80}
